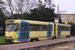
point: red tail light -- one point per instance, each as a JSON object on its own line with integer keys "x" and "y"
{"x": 10, "y": 36}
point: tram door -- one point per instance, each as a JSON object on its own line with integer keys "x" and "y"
{"x": 25, "y": 31}
{"x": 59, "y": 31}
{"x": 49, "y": 31}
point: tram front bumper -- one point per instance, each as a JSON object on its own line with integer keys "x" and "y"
{"x": 9, "y": 40}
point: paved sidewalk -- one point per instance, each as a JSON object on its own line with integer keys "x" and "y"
{"x": 34, "y": 44}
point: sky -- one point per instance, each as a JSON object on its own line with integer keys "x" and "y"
{"x": 65, "y": 5}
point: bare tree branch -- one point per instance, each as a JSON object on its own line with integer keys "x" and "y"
{"x": 49, "y": 3}
{"x": 21, "y": 6}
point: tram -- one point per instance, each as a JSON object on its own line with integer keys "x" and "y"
{"x": 28, "y": 30}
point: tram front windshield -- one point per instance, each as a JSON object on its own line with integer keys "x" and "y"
{"x": 12, "y": 27}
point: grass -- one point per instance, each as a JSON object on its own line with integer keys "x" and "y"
{"x": 2, "y": 39}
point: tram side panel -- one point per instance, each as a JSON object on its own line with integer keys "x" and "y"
{"x": 23, "y": 31}
{"x": 63, "y": 30}
{"x": 37, "y": 31}
{"x": 52, "y": 31}
{"x": 41, "y": 32}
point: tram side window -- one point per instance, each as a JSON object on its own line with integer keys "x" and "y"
{"x": 65, "y": 28}
{"x": 38, "y": 27}
{"x": 62, "y": 29}
{"x": 24, "y": 27}
{"x": 45, "y": 28}
{"x": 35, "y": 27}
{"x": 41, "y": 28}
{"x": 68, "y": 28}
{"x": 31, "y": 27}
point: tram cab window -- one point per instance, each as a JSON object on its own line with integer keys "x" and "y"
{"x": 17, "y": 28}
{"x": 12, "y": 27}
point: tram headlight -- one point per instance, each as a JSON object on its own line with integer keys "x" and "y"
{"x": 10, "y": 36}
{"x": 7, "y": 21}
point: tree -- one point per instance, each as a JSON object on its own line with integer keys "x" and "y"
{"x": 43, "y": 14}
{"x": 49, "y": 3}
{"x": 2, "y": 15}
{"x": 10, "y": 6}
{"x": 72, "y": 28}
{"x": 20, "y": 6}
{"x": 40, "y": 13}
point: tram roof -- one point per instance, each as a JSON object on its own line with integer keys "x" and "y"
{"x": 28, "y": 20}
{"x": 32, "y": 21}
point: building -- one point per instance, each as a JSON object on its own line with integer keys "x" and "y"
{"x": 67, "y": 18}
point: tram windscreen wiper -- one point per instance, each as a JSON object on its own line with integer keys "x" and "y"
{"x": 11, "y": 28}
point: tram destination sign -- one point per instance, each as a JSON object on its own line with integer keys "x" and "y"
{"x": 57, "y": 20}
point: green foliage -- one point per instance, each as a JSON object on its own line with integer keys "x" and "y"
{"x": 72, "y": 28}
{"x": 25, "y": 16}
{"x": 42, "y": 14}
{"x": 2, "y": 33}
{"x": 2, "y": 19}
{"x": 2, "y": 16}
{"x": 2, "y": 39}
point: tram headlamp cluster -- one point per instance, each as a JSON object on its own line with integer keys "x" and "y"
{"x": 10, "y": 21}
{"x": 10, "y": 36}
{"x": 7, "y": 21}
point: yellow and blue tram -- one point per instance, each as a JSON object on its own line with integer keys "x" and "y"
{"x": 63, "y": 30}
{"x": 28, "y": 30}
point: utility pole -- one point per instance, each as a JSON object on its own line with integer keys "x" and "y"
{"x": 58, "y": 11}
{"x": 50, "y": 4}
{"x": 57, "y": 22}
